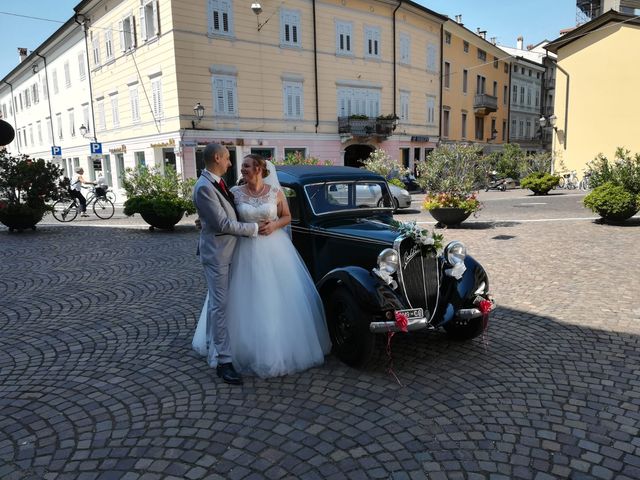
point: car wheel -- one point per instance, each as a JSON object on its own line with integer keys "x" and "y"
{"x": 396, "y": 204}
{"x": 503, "y": 187}
{"x": 353, "y": 342}
{"x": 460, "y": 329}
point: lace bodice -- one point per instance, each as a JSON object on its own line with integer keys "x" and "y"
{"x": 256, "y": 209}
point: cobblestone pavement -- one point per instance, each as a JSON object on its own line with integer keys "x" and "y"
{"x": 97, "y": 378}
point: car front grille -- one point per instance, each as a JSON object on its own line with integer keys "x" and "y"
{"x": 419, "y": 279}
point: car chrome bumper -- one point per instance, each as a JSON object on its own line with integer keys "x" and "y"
{"x": 423, "y": 323}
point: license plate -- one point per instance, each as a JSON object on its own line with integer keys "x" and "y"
{"x": 412, "y": 313}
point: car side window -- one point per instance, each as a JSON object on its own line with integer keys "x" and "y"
{"x": 292, "y": 200}
{"x": 368, "y": 194}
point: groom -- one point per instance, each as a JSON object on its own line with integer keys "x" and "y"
{"x": 220, "y": 227}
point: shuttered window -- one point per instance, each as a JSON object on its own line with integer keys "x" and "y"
{"x": 372, "y": 42}
{"x": 290, "y": 28}
{"x": 432, "y": 58}
{"x": 127, "y": 29}
{"x": 225, "y": 95}
{"x": 115, "y": 113}
{"x": 134, "y": 103}
{"x": 292, "y": 96}
{"x": 405, "y": 49}
{"x": 344, "y": 34}
{"x": 220, "y": 17}
{"x": 156, "y": 98}
{"x": 358, "y": 101}
{"x": 149, "y": 20}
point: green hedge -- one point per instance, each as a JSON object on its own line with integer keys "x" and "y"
{"x": 612, "y": 202}
{"x": 540, "y": 183}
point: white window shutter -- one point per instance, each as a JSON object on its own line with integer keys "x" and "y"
{"x": 143, "y": 25}
{"x": 123, "y": 45}
{"x": 298, "y": 98}
{"x": 133, "y": 31}
{"x": 210, "y": 14}
{"x": 156, "y": 18}
{"x": 231, "y": 101}
{"x": 219, "y": 93}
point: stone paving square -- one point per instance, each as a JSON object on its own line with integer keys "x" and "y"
{"x": 98, "y": 380}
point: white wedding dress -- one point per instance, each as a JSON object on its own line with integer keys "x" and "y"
{"x": 275, "y": 315}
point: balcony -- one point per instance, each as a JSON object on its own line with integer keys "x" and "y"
{"x": 484, "y": 104}
{"x": 550, "y": 83}
{"x": 365, "y": 127}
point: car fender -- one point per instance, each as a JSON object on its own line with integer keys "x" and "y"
{"x": 462, "y": 293}
{"x": 371, "y": 293}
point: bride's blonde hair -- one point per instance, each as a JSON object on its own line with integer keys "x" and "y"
{"x": 259, "y": 161}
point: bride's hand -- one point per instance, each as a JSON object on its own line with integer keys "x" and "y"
{"x": 267, "y": 228}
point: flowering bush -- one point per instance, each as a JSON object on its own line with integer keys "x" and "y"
{"x": 451, "y": 175}
{"x": 297, "y": 158}
{"x": 429, "y": 242}
{"x": 27, "y": 182}
{"x": 469, "y": 203}
{"x": 381, "y": 163}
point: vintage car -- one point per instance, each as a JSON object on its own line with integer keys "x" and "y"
{"x": 367, "y": 272}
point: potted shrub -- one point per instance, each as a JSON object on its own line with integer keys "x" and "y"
{"x": 616, "y": 186}
{"x": 386, "y": 124}
{"x": 450, "y": 177}
{"x": 540, "y": 183}
{"x": 160, "y": 197}
{"x": 26, "y": 187}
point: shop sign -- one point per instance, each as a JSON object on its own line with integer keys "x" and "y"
{"x": 120, "y": 149}
{"x": 169, "y": 143}
{"x": 419, "y": 138}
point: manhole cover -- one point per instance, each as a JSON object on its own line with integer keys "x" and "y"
{"x": 503, "y": 237}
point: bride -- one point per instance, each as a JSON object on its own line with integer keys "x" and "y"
{"x": 276, "y": 319}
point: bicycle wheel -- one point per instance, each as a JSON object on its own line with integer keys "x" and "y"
{"x": 103, "y": 208}
{"x": 111, "y": 196}
{"x": 65, "y": 210}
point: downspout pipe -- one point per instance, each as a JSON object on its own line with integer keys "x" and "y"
{"x": 395, "y": 72}
{"x": 13, "y": 109}
{"x": 441, "y": 83}
{"x": 315, "y": 64}
{"x": 46, "y": 77}
{"x": 566, "y": 104}
{"x": 85, "y": 28}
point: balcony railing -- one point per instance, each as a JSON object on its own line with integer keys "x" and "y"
{"x": 547, "y": 110}
{"x": 549, "y": 83}
{"x": 483, "y": 104}
{"x": 365, "y": 127}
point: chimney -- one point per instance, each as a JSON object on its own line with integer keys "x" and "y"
{"x": 520, "y": 42}
{"x": 481, "y": 33}
{"x": 23, "y": 53}
{"x": 459, "y": 19}
{"x": 494, "y": 40}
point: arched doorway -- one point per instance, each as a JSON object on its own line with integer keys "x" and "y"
{"x": 355, "y": 154}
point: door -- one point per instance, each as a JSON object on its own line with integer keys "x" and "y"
{"x": 119, "y": 168}
{"x": 106, "y": 169}
{"x": 169, "y": 158}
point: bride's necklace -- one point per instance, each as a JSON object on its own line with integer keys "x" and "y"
{"x": 257, "y": 194}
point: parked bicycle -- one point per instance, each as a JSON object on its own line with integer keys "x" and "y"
{"x": 584, "y": 183}
{"x": 67, "y": 209}
{"x": 569, "y": 181}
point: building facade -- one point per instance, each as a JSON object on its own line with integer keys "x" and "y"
{"x": 475, "y": 89}
{"x": 46, "y": 98}
{"x": 317, "y": 78}
{"x": 596, "y": 103}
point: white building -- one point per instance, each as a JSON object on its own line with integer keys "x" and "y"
{"x": 46, "y": 99}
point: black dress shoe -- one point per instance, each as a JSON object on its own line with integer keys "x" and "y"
{"x": 229, "y": 374}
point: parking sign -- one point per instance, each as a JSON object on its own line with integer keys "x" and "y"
{"x": 96, "y": 148}
{"x": 56, "y": 151}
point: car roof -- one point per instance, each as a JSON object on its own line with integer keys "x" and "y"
{"x": 323, "y": 173}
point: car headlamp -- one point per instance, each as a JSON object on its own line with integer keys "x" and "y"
{"x": 388, "y": 261}
{"x": 455, "y": 253}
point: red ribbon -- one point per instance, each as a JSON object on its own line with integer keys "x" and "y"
{"x": 402, "y": 322}
{"x": 485, "y": 307}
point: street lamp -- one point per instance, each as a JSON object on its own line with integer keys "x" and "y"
{"x": 83, "y": 130}
{"x": 551, "y": 119}
{"x": 198, "y": 109}
{"x": 257, "y": 9}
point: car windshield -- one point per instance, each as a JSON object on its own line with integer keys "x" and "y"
{"x": 348, "y": 195}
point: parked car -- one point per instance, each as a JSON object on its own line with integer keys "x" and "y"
{"x": 370, "y": 195}
{"x": 366, "y": 271}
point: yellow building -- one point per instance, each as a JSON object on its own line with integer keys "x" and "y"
{"x": 283, "y": 78}
{"x": 475, "y": 88}
{"x": 596, "y": 103}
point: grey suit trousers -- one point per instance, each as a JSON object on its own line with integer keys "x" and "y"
{"x": 218, "y": 282}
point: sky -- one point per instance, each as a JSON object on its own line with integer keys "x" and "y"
{"x": 535, "y": 20}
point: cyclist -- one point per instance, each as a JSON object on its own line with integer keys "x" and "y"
{"x": 76, "y": 190}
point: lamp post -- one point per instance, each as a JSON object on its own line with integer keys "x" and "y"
{"x": 198, "y": 109}
{"x": 84, "y": 130}
{"x": 545, "y": 122}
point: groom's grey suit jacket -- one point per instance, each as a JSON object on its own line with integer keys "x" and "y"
{"x": 220, "y": 224}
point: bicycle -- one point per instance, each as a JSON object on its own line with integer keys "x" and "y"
{"x": 66, "y": 209}
{"x": 584, "y": 183}
{"x": 569, "y": 181}
{"x": 111, "y": 195}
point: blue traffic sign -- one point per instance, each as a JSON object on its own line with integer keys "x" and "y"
{"x": 96, "y": 148}
{"x": 56, "y": 151}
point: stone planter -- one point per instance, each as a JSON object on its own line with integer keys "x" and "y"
{"x": 618, "y": 218}
{"x": 21, "y": 218}
{"x": 449, "y": 217}
{"x": 163, "y": 222}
